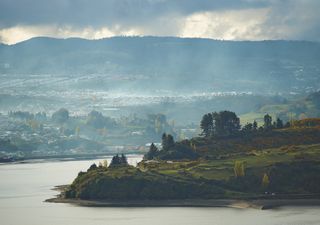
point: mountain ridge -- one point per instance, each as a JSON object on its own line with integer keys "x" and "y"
{"x": 159, "y": 37}
{"x": 198, "y": 64}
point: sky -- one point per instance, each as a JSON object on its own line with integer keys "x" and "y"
{"x": 217, "y": 19}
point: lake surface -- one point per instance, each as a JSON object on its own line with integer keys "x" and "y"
{"x": 24, "y": 187}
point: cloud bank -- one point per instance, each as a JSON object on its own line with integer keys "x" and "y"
{"x": 217, "y": 19}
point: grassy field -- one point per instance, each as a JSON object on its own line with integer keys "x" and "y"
{"x": 223, "y": 169}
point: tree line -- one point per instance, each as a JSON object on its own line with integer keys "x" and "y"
{"x": 117, "y": 160}
{"x": 227, "y": 123}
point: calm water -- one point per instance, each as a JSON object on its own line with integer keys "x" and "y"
{"x": 24, "y": 187}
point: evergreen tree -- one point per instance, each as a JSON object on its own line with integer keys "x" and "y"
{"x": 164, "y": 141}
{"x": 123, "y": 160}
{"x": 287, "y": 125}
{"x": 248, "y": 128}
{"x": 119, "y": 160}
{"x": 115, "y": 159}
{"x": 92, "y": 167}
{"x": 170, "y": 141}
{"x": 206, "y": 124}
{"x": 225, "y": 123}
{"x": 151, "y": 153}
{"x": 167, "y": 141}
{"x": 255, "y": 125}
{"x": 279, "y": 124}
{"x": 267, "y": 122}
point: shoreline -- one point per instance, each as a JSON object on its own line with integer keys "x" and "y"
{"x": 261, "y": 204}
{"x": 158, "y": 203}
{"x": 63, "y": 158}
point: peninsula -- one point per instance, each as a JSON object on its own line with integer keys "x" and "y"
{"x": 256, "y": 166}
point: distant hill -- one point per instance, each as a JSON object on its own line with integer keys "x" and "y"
{"x": 147, "y": 63}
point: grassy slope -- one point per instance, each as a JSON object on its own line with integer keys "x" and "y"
{"x": 224, "y": 147}
{"x": 293, "y": 109}
{"x": 289, "y": 152}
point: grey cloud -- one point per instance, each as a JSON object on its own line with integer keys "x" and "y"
{"x": 293, "y": 19}
{"x": 287, "y": 19}
{"x": 106, "y": 12}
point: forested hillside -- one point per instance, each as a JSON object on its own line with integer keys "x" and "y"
{"x": 168, "y": 62}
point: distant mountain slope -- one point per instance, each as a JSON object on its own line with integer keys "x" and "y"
{"x": 173, "y": 63}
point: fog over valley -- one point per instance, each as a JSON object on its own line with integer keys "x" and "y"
{"x": 113, "y": 73}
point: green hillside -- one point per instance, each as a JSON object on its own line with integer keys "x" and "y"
{"x": 277, "y": 163}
